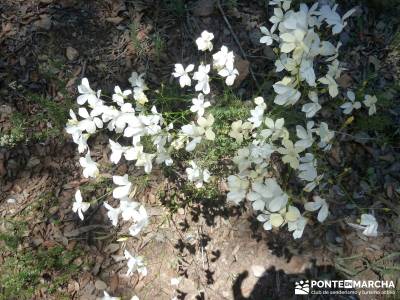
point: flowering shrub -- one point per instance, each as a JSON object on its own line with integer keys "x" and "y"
{"x": 303, "y": 56}
{"x": 310, "y": 66}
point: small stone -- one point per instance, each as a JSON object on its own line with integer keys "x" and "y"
{"x": 345, "y": 81}
{"x": 72, "y": 53}
{"x": 258, "y": 271}
{"x": 22, "y": 61}
{"x": 100, "y": 285}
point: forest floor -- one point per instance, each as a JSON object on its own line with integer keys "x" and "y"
{"x": 218, "y": 252}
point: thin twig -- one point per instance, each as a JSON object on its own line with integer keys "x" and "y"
{"x": 236, "y": 41}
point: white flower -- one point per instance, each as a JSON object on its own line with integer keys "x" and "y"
{"x": 205, "y": 126}
{"x": 260, "y": 152}
{"x": 72, "y": 127}
{"x": 119, "y": 96}
{"x": 204, "y": 41}
{"x": 258, "y": 195}
{"x": 265, "y": 218}
{"x": 108, "y": 297}
{"x": 325, "y": 135}
{"x": 197, "y": 175}
{"x": 334, "y": 69}
{"x": 286, "y": 63}
{"x": 223, "y": 58}
{"x": 318, "y": 204}
{"x": 292, "y": 41}
{"x": 145, "y": 160}
{"x": 370, "y": 225}
{"x": 79, "y": 206}
{"x": 275, "y": 129}
{"x": 369, "y": 101}
{"x": 116, "y": 151}
{"x": 135, "y": 129}
{"x": 257, "y": 114}
{"x": 182, "y": 74}
{"x": 140, "y": 96}
{"x": 124, "y": 186}
{"x": 89, "y": 166}
{"x": 276, "y": 220}
{"x": 352, "y": 104}
{"x": 113, "y": 213}
{"x": 135, "y": 264}
{"x": 89, "y": 123}
{"x": 141, "y": 220}
{"x": 297, "y": 227}
{"x": 82, "y": 143}
{"x": 276, "y": 18}
{"x": 193, "y": 132}
{"x": 87, "y": 94}
{"x": 310, "y": 109}
{"x": 237, "y": 189}
{"x": 202, "y": 78}
{"x": 290, "y": 153}
{"x": 230, "y": 72}
{"x": 240, "y": 130}
{"x": 292, "y": 214}
{"x": 139, "y": 86}
{"x": 268, "y": 195}
{"x": 268, "y": 37}
{"x": 307, "y": 169}
{"x": 285, "y": 4}
{"x": 128, "y": 208}
{"x": 312, "y": 185}
{"x": 333, "y": 19}
{"x": 307, "y": 72}
{"x": 332, "y": 85}
{"x": 277, "y": 199}
{"x": 242, "y": 159}
{"x": 199, "y": 105}
{"x": 137, "y": 81}
{"x": 176, "y": 281}
{"x": 287, "y": 95}
{"x": 305, "y": 136}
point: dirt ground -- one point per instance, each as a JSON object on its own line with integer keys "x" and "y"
{"x": 217, "y": 251}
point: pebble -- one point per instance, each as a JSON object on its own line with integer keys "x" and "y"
{"x": 100, "y": 285}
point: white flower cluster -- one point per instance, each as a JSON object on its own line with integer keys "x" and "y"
{"x": 254, "y": 181}
{"x": 120, "y": 117}
{"x": 128, "y": 116}
{"x": 300, "y": 46}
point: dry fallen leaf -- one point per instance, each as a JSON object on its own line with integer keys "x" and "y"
{"x": 243, "y": 66}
